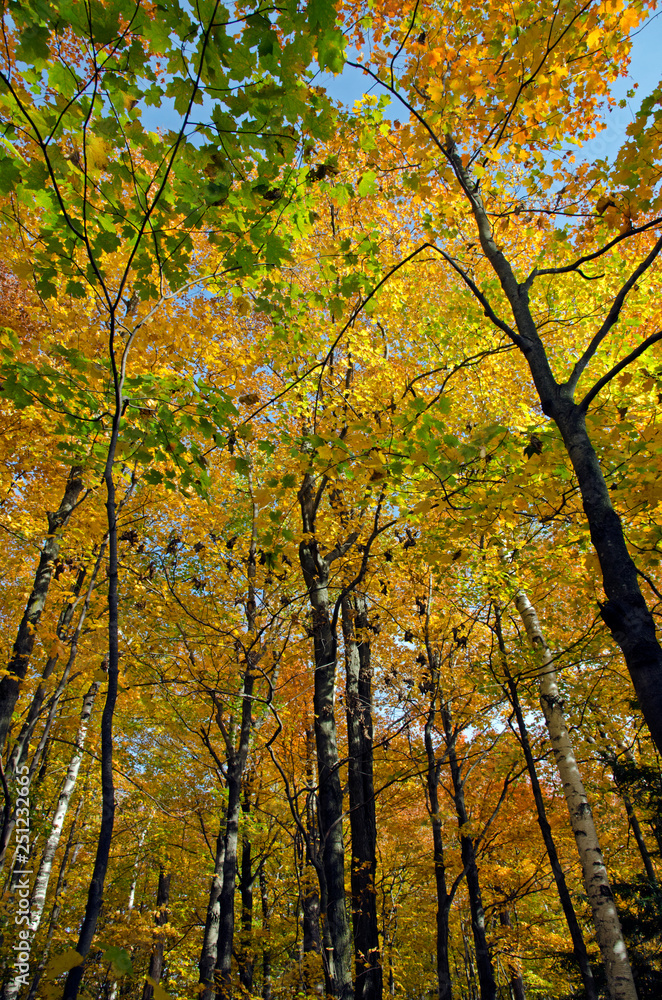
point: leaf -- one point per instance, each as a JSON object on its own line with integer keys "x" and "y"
{"x": 367, "y": 184}
{"x": 120, "y": 960}
{"x": 63, "y": 963}
{"x": 159, "y": 992}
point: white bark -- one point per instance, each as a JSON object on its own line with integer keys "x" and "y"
{"x": 40, "y": 888}
{"x": 605, "y": 917}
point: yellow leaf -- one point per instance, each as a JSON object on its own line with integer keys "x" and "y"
{"x": 58, "y": 648}
{"x": 159, "y": 992}
{"x": 63, "y": 963}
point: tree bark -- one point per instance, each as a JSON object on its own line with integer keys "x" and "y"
{"x": 310, "y": 876}
{"x": 210, "y": 939}
{"x": 610, "y": 757}
{"x": 95, "y": 891}
{"x": 27, "y": 631}
{"x": 444, "y": 899}
{"x": 368, "y": 980}
{"x": 235, "y": 769}
{"x": 484, "y": 968}
{"x": 605, "y": 917}
{"x": 57, "y": 904}
{"x": 40, "y": 888}
{"x": 578, "y": 943}
{"x": 315, "y": 568}
{"x": 156, "y": 958}
{"x": 267, "y": 911}
{"x": 246, "y": 945}
{"x": 20, "y": 747}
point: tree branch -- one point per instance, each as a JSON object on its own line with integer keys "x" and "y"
{"x": 632, "y": 356}
{"x": 489, "y": 312}
{"x": 612, "y": 318}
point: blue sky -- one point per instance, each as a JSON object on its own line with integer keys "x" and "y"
{"x": 645, "y": 70}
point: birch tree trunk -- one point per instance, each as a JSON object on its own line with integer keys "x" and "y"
{"x": 20, "y": 747}
{"x": 40, "y": 888}
{"x": 605, "y": 917}
{"x": 578, "y": 943}
{"x": 27, "y": 630}
{"x": 57, "y": 901}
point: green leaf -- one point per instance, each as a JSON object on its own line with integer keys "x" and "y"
{"x": 120, "y": 959}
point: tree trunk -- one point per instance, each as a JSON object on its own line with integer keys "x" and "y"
{"x": 607, "y": 925}
{"x": 246, "y": 946}
{"x": 315, "y": 570}
{"x": 483, "y": 960}
{"x": 40, "y": 888}
{"x": 516, "y": 981}
{"x": 267, "y": 911}
{"x": 27, "y": 631}
{"x": 95, "y": 891}
{"x": 57, "y": 903}
{"x": 368, "y": 983}
{"x": 444, "y": 900}
{"x": 310, "y": 877}
{"x": 210, "y": 939}
{"x": 611, "y": 758}
{"x": 578, "y": 944}
{"x": 235, "y": 770}
{"x": 20, "y": 747}
{"x": 156, "y": 959}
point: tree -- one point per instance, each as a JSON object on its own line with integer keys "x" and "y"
{"x": 471, "y": 108}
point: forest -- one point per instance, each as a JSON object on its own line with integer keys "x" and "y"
{"x": 330, "y": 502}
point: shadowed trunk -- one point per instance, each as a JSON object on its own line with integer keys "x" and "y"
{"x": 444, "y": 899}
{"x": 516, "y": 981}
{"x": 315, "y": 568}
{"x": 468, "y": 852}
{"x": 267, "y": 912}
{"x": 368, "y": 984}
{"x": 156, "y": 958}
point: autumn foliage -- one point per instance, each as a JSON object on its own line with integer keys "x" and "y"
{"x": 330, "y": 494}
